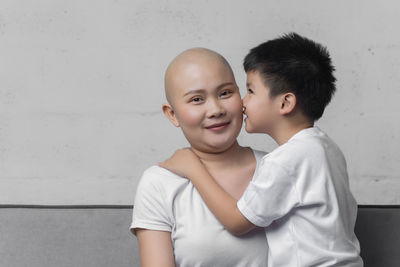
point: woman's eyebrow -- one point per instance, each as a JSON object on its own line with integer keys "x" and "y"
{"x": 200, "y": 91}
{"x": 196, "y": 91}
{"x": 225, "y": 84}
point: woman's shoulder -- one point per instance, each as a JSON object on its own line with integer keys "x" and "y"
{"x": 157, "y": 172}
{"x": 153, "y": 205}
{"x": 160, "y": 179}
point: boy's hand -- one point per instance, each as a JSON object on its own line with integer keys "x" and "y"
{"x": 183, "y": 162}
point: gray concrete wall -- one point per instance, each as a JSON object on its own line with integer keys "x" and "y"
{"x": 81, "y": 88}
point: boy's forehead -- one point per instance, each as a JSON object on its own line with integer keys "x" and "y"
{"x": 254, "y": 76}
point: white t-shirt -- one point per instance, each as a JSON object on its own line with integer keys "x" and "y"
{"x": 167, "y": 202}
{"x": 301, "y": 195}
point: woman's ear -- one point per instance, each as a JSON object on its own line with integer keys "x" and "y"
{"x": 170, "y": 114}
{"x": 288, "y": 103}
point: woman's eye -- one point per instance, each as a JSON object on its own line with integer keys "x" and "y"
{"x": 225, "y": 93}
{"x": 196, "y": 99}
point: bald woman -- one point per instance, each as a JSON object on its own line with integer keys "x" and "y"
{"x": 173, "y": 225}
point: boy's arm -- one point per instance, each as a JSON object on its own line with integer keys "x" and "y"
{"x": 185, "y": 163}
{"x": 220, "y": 202}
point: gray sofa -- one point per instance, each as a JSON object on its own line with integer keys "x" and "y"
{"x": 86, "y": 236}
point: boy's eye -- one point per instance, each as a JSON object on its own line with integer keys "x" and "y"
{"x": 250, "y": 91}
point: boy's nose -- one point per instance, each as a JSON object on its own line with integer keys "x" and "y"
{"x": 244, "y": 100}
{"x": 244, "y": 104}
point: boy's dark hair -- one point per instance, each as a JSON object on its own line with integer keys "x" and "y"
{"x": 293, "y": 63}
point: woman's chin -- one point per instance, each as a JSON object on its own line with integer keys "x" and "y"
{"x": 218, "y": 147}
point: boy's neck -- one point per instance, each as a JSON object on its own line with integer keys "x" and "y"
{"x": 287, "y": 130}
{"x": 220, "y": 159}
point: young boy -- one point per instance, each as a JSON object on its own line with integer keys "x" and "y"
{"x": 300, "y": 192}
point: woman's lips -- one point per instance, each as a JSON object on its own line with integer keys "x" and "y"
{"x": 217, "y": 126}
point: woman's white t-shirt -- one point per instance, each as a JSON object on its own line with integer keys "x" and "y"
{"x": 167, "y": 202}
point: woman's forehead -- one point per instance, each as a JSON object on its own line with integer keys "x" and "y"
{"x": 196, "y": 69}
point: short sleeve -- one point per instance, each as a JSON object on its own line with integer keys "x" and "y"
{"x": 149, "y": 210}
{"x": 270, "y": 195}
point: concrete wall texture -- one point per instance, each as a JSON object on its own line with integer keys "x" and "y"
{"x": 81, "y": 86}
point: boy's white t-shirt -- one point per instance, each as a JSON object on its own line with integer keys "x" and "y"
{"x": 301, "y": 195}
{"x": 167, "y": 202}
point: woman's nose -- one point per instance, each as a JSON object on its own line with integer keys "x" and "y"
{"x": 215, "y": 109}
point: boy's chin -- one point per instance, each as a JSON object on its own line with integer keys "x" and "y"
{"x": 249, "y": 129}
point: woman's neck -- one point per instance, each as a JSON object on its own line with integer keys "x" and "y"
{"x": 216, "y": 161}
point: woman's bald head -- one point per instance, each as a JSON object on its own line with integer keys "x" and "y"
{"x": 181, "y": 66}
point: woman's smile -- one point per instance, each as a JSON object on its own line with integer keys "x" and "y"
{"x": 218, "y": 127}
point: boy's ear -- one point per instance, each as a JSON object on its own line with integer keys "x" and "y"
{"x": 170, "y": 114}
{"x": 288, "y": 103}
